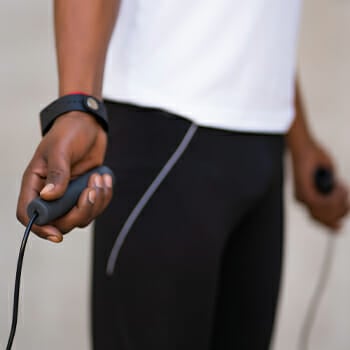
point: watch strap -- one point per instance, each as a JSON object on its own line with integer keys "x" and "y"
{"x": 73, "y": 102}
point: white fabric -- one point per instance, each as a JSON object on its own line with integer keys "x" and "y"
{"x": 226, "y": 63}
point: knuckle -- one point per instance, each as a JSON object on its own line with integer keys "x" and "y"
{"x": 65, "y": 226}
{"x": 99, "y": 198}
{"x": 81, "y": 220}
{"x": 85, "y": 223}
{"x": 66, "y": 230}
{"x": 27, "y": 171}
{"x": 36, "y": 165}
{"x": 20, "y": 216}
{"x": 55, "y": 174}
{"x": 39, "y": 232}
{"x": 109, "y": 192}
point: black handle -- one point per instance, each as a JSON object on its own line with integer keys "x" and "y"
{"x": 51, "y": 210}
{"x": 324, "y": 180}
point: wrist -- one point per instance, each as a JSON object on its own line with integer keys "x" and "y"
{"x": 89, "y": 87}
{"x": 299, "y": 142}
{"x": 74, "y": 102}
{"x": 80, "y": 91}
{"x": 77, "y": 121}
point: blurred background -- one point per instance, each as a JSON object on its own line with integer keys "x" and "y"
{"x": 54, "y": 305}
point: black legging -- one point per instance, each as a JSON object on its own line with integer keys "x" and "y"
{"x": 200, "y": 268}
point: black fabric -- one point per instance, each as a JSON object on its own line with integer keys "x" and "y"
{"x": 201, "y": 267}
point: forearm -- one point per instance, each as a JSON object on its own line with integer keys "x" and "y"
{"x": 299, "y": 135}
{"x": 83, "y": 29}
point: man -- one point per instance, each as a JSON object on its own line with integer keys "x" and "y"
{"x": 200, "y": 97}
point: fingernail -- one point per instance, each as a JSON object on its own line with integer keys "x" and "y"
{"x": 92, "y": 197}
{"x": 108, "y": 181}
{"x": 98, "y": 181}
{"x": 53, "y": 239}
{"x": 47, "y": 188}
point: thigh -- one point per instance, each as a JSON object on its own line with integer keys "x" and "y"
{"x": 162, "y": 294}
{"x": 250, "y": 277}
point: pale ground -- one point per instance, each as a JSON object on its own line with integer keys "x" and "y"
{"x": 55, "y": 287}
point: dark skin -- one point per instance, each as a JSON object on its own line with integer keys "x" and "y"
{"x": 77, "y": 143}
{"x": 307, "y": 155}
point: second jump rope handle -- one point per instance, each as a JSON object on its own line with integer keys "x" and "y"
{"x": 51, "y": 210}
{"x": 324, "y": 180}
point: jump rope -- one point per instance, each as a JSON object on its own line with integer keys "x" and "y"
{"x": 42, "y": 212}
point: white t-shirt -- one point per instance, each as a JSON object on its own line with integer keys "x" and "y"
{"x": 226, "y": 63}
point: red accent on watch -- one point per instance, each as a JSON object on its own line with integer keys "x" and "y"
{"x": 77, "y": 93}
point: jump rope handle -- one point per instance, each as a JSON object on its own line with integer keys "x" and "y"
{"x": 324, "y": 180}
{"x": 51, "y": 210}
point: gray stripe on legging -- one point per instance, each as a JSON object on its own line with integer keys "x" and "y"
{"x": 146, "y": 197}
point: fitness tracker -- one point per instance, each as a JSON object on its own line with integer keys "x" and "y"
{"x": 73, "y": 102}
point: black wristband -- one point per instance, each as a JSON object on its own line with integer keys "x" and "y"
{"x": 75, "y": 102}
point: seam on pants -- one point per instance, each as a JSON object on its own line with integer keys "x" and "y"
{"x": 113, "y": 257}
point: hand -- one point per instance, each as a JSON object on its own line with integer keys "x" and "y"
{"x": 327, "y": 209}
{"x": 75, "y": 143}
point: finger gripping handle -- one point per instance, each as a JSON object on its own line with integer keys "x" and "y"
{"x": 51, "y": 210}
{"x": 324, "y": 180}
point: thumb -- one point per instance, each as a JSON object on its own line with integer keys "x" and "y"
{"x": 58, "y": 176}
